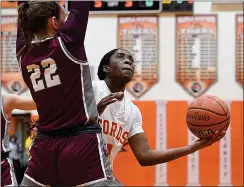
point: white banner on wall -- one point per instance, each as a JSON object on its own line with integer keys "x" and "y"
{"x": 196, "y": 52}
{"x": 192, "y": 162}
{"x": 225, "y": 157}
{"x": 161, "y": 142}
{"x": 139, "y": 35}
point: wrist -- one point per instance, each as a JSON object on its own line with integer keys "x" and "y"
{"x": 196, "y": 146}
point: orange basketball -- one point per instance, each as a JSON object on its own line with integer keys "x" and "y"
{"x": 206, "y": 115}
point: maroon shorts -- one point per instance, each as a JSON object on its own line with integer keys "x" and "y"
{"x": 75, "y": 160}
{"x": 7, "y": 173}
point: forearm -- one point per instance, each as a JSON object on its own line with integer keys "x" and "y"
{"x": 26, "y": 104}
{"x": 17, "y": 102}
{"x": 153, "y": 157}
{"x": 80, "y": 6}
{"x": 76, "y": 24}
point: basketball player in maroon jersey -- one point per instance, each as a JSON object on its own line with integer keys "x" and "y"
{"x": 8, "y": 104}
{"x": 69, "y": 149}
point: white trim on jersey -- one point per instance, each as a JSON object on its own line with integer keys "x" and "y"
{"x": 92, "y": 182}
{"x": 12, "y": 174}
{"x": 81, "y": 63}
{"x": 102, "y": 164}
{"x": 33, "y": 180}
{"x": 36, "y": 40}
{"x": 2, "y": 109}
{"x": 20, "y": 65}
{"x": 69, "y": 56}
{"x": 101, "y": 155}
{"x": 4, "y": 137}
{"x": 83, "y": 95}
{"x": 7, "y": 122}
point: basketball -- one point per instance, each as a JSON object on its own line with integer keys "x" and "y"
{"x": 207, "y": 114}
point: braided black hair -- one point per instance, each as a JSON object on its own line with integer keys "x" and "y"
{"x": 104, "y": 61}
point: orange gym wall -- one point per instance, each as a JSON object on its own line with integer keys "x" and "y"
{"x": 130, "y": 173}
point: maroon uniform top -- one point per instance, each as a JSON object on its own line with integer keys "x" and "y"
{"x": 58, "y": 75}
{"x": 5, "y": 125}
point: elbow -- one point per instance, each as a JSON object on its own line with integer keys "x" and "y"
{"x": 144, "y": 161}
{"x": 150, "y": 160}
{"x": 143, "y": 164}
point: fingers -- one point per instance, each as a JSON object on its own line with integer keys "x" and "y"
{"x": 106, "y": 103}
{"x": 102, "y": 105}
{"x": 116, "y": 94}
{"x": 205, "y": 142}
{"x": 113, "y": 96}
{"x": 111, "y": 101}
{"x": 220, "y": 135}
{"x": 215, "y": 134}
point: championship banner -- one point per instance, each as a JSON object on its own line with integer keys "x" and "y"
{"x": 139, "y": 35}
{"x": 239, "y": 49}
{"x": 196, "y": 52}
{"x": 11, "y": 77}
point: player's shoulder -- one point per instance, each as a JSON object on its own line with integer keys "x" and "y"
{"x": 100, "y": 90}
{"x": 98, "y": 86}
{"x": 136, "y": 113}
{"x": 135, "y": 108}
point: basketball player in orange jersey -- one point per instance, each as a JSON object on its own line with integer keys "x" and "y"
{"x": 121, "y": 120}
{"x": 69, "y": 149}
{"x": 8, "y": 104}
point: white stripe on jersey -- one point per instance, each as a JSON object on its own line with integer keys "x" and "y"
{"x": 12, "y": 174}
{"x": 69, "y": 56}
{"x": 81, "y": 63}
{"x": 5, "y": 138}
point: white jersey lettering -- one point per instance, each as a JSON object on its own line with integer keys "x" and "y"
{"x": 119, "y": 121}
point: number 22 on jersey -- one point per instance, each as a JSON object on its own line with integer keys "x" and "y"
{"x": 50, "y": 69}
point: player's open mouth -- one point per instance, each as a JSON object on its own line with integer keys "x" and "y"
{"x": 128, "y": 69}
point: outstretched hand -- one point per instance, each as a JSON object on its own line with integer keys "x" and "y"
{"x": 113, "y": 97}
{"x": 205, "y": 142}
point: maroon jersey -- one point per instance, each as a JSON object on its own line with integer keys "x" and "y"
{"x": 5, "y": 125}
{"x": 58, "y": 75}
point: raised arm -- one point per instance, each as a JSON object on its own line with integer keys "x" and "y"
{"x": 76, "y": 24}
{"x": 21, "y": 39}
{"x": 12, "y": 101}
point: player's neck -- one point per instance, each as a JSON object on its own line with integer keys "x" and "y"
{"x": 115, "y": 86}
{"x": 43, "y": 36}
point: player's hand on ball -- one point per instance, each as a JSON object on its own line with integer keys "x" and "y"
{"x": 113, "y": 97}
{"x": 205, "y": 142}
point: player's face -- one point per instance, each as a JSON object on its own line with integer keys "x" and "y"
{"x": 122, "y": 65}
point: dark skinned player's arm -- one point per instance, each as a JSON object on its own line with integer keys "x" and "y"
{"x": 147, "y": 157}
